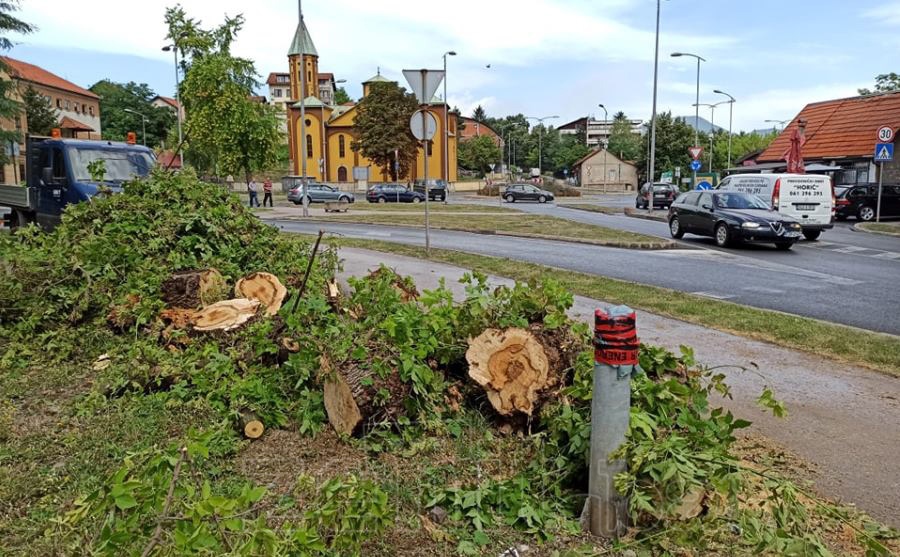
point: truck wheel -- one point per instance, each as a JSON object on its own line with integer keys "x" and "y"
{"x": 20, "y": 219}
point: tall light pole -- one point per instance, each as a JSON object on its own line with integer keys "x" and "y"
{"x": 446, "y": 124}
{"x": 652, "y": 168}
{"x": 605, "y": 147}
{"x": 731, "y": 100}
{"x": 782, "y": 122}
{"x": 174, "y": 48}
{"x": 541, "y": 141}
{"x": 324, "y": 142}
{"x": 143, "y": 123}
{"x": 712, "y": 127}
{"x": 696, "y": 101}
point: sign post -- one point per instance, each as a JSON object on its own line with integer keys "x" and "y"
{"x": 884, "y": 152}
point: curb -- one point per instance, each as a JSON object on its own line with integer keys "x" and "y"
{"x": 605, "y": 210}
{"x": 631, "y": 213}
{"x": 855, "y": 228}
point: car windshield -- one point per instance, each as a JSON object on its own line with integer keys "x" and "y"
{"x": 121, "y": 165}
{"x": 740, "y": 201}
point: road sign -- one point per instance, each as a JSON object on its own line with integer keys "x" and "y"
{"x": 695, "y": 165}
{"x": 704, "y": 185}
{"x": 423, "y": 130}
{"x": 678, "y": 172}
{"x": 885, "y": 134}
{"x": 695, "y": 152}
{"x": 424, "y": 83}
{"x": 884, "y": 152}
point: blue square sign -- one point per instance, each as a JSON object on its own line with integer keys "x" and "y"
{"x": 884, "y": 152}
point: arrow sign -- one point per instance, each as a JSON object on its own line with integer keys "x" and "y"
{"x": 424, "y": 83}
{"x": 695, "y": 165}
{"x": 884, "y": 152}
{"x": 695, "y": 152}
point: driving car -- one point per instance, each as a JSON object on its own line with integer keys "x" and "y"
{"x": 393, "y": 193}
{"x": 437, "y": 189}
{"x": 526, "y": 192}
{"x": 861, "y": 201}
{"x": 318, "y": 193}
{"x": 732, "y": 217}
{"x": 663, "y": 196}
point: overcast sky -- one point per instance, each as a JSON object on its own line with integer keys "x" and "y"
{"x": 547, "y": 57}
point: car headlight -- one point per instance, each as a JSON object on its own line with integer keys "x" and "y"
{"x": 795, "y": 226}
{"x": 750, "y": 225}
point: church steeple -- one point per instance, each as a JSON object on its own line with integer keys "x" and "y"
{"x": 303, "y": 57}
{"x": 302, "y": 43}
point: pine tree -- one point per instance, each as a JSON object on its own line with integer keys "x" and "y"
{"x": 42, "y": 116}
{"x": 479, "y": 114}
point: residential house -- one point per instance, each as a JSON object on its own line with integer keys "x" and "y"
{"x": 596, "y": 132}
{"x": 168, "y": 102}
{"x": 601, "y": 169}
{"x": 13, "y": 170}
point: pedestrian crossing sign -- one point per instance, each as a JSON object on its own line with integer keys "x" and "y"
{"x": 884, "y": 152}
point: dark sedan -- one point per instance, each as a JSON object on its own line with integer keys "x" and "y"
{"x": 526, "y": 192}
{"x": 393, "y": 193}
{"x": 663, "y": 196}
{"x": 861, "y": 201}
{"x": 731, "y": 217}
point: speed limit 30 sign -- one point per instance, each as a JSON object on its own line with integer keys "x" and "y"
{"x": 886, "y": 134}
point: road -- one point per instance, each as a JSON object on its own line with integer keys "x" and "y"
{"x": 851, "y": 284}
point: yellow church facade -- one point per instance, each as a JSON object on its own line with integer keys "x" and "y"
{"x": 330, "y": 129}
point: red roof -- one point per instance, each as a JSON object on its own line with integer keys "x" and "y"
{"x": 273, "y": 78}
{"x": 67, "y": 123}
{"x": 325, "y": 76}
{"x": 839, "y": 128}
{"x": 30, "y": 72}
{"x": 473, "y": 129}
{"x": 168, "y": 159}
{"x": 168, "y": 100}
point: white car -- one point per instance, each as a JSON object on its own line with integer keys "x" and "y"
{"x": 809, "y": 198}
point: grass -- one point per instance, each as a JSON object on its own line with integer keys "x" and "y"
{"x": 539, "y": 226}
{"x": 876, "y": 351}
{"x": 888, "y": 228}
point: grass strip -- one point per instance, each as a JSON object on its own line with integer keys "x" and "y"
{"x": 592, "y": 208}
{"x": 876, "y": 351}
{"x": 886, "y": 228}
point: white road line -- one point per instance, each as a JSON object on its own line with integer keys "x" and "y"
{"x": 763, "y": 290}
{"x": 850, "y": 249}
{"x": 887, "y": 255}
{"x": 712, "y": 295}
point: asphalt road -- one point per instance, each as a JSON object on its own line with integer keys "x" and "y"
{"x": 849, "y": 283}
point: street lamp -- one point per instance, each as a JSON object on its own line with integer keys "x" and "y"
{"x": 446, "y": 124}
{"x": 731, "y": 100}
{"x": 782, "y": 122}
{"x": 143, "y": 123}
{"x": 174, "y": 48}
{"x": 324, "y": 143}
{"x": 697, "y": 100}
{"x": 712, "y": 127}
{"x": 606, "y": 146}
{"x": 541, "y": 140}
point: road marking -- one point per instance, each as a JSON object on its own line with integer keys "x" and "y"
{"x": 712, "y": 295}
{"x": 852, "y": 250}
{"x": 378, "y": 234}
{"x": 763, "y": 290}
{"x": 849, "y": 249}
{"x": 887, "y": 255}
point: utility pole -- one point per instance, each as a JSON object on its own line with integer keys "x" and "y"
{"x": 653, "y": 114}
{"x": 541, "y": 142}
{"x": 696, "y": 103}
{"x": 606, "y": 146}
{"x": 731, "y": 100}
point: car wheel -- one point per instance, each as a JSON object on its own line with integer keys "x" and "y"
{"x": 723, "y": 236}
{"x": 675, "y": 228}
{"x": 865, "y": 213}
{"x": 542, "y": 199}
{"x": 296, "y": 203}
{"x": 784, "y": 246}
{"x": 443, "y": 198}
{"x": 510, "y": 199}
{"x": 812, "y": 235}
{"x": 416, "y": 200}
{"x": 637, "y": 204}
{"x": 382, "y": 200}
{"x": 343, "y": 199}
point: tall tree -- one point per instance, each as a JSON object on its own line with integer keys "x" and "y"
{"x": 673, "y": 138}
{"x": 479, "y": 114}
{"x": 623, "y": 142}
{"x": 341, "y": 96}
{"x": 883, "y": 83}
{"x": 382, "y": 121}
{"x": 478, "y": 153}
{"x": 226, "y": 130}
{"x": 117, "y": 99}
{"x": 41, "y": 115}
{"x": 11, "y": 107}
{"x": 566, "y": 152}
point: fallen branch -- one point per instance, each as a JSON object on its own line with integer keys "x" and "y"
{"x": 309, "y": 265}
{"x": 157, "y": 532}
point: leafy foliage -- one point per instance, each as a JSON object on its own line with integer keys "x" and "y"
{"x": 884, "y": 83}
{"x": 41, "y": 115}
{"x": 382, "y": 120}
{"x": 341, "y": 96}
{"x": 478, "y": 153}
{"x": 10, "y": 105}
{"x": 623, "y": 142}
{"x": 116, "y": 99}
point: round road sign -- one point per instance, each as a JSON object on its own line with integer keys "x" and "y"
{"x": 886, "y": 134}
{"x": 423, "y": 129}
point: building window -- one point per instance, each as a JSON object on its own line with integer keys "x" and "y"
{"x": 429, "y": 144}
{"x": 58, "y": 103}
{"x": 341, "y": 146}
{"x": 83, "y": 108}
{"x": 68, "y": 105}
{"x": 309, "y": 146}
{"x": 308, "y": 76}
{"x": 76, "y": 108}
{"x": 278, "y": 93}
{"x": 91, "y": 110}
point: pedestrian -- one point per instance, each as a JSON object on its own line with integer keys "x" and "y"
{"x": 267, "y": 192}
{"x": 252, "y": 189}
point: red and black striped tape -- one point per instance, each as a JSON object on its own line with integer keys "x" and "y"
{"x": 615, "y": 339}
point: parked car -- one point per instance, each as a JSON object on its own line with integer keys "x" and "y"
{"x": 526, "y": 192}
{"x": 318, "y": 193}
{"x": 437, "y": 189}
{"x": 808, "y": 198}
{"x": 861, "y": 201}
{"x": 731, "y": 217}
{"x": 663, "y": 196}
{"x": 393, "y": 193}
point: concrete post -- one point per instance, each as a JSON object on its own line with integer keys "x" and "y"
{"x": 615, "y": 359}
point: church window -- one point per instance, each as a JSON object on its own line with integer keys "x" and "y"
{"x": 341, "y": 146}
{"x": 309, "y": 146}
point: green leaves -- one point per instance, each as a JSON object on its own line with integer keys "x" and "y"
{"x": 767, "y": 401}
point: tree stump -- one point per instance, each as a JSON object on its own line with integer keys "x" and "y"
{"x": 263, "y": 287}
{"x": 226, "y": 315}
{"x": 251, "y": 426}
{"x": 517, "y": 368}
{"x": 193, "y": 289}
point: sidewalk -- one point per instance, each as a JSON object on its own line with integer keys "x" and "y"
{"x": 842, "y": 419}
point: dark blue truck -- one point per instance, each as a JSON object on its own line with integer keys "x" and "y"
{"x": 57, "y": 175}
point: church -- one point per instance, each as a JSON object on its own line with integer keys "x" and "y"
{"x": 330, "y": 128}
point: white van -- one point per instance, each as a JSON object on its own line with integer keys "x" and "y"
{"x": 809, "y": 198}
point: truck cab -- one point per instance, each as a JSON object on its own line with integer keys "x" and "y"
{"x": 57, "y": 175}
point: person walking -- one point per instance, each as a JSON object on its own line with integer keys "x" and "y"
{"x": 267, "y": 193}
{"x": 252, "y": 189}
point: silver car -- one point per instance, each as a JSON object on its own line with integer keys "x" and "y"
{"x": 318, "y": 193}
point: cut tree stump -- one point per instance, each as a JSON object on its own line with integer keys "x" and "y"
{"x": 226, "y": 315}
{"x": 333, "y": 294}
{"x": 194, "y": 289}
{"x": 251, "y": 426}
{"x": 517, "y": 368}
{"x": 264, "y": 287}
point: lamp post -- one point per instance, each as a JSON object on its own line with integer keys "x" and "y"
{"x": 697, "y": 99}
{"x": 324, "y": 142}
{"x": 174, "y": 48}
{"x": 606, "y": 146}
{"x": 446, "y": 124}
{"x": 731, "y": 100}
{"x": 143, "y": 123}
{"x": 782, "y": 122}
{"x": 541, "y": 141}
{"x": 652, "y": 168}
{"x": 712, "y": 127}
